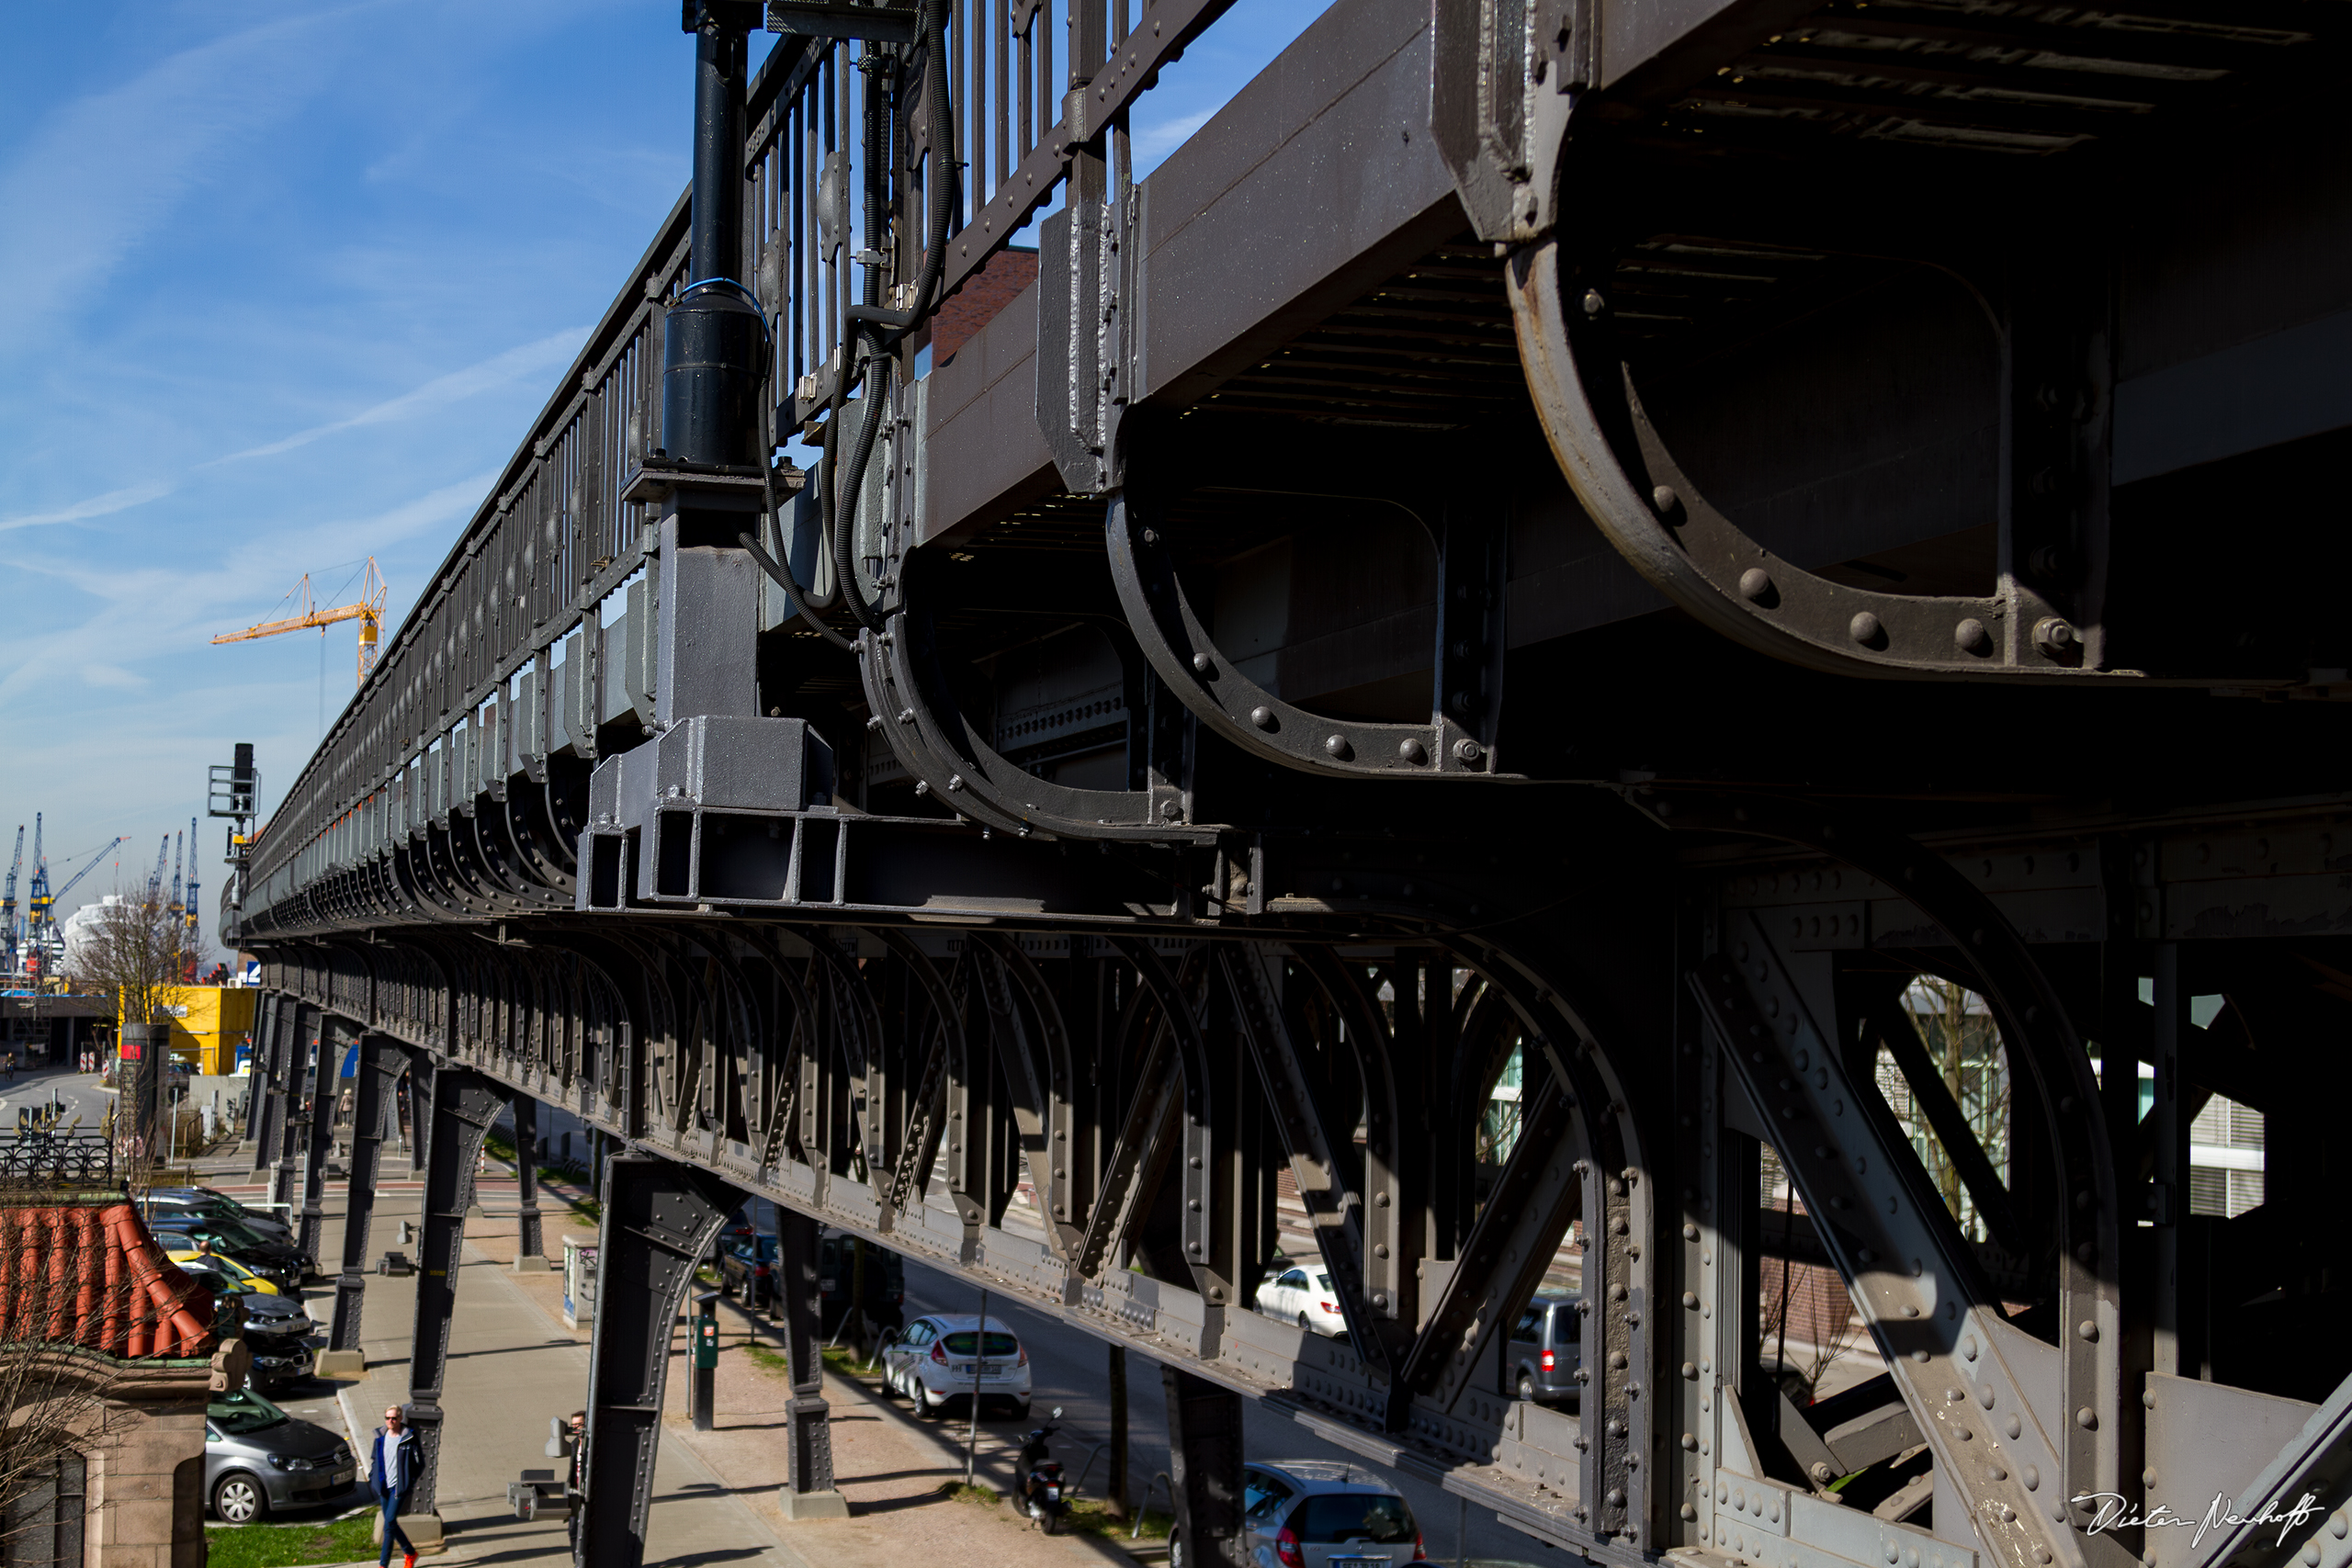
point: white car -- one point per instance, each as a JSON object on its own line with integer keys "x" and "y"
{"x": 1303, "y": 1295}
{"x": 931, "y": 1364}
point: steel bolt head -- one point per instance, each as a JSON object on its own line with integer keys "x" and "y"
{"x": 1970, "y": 637}
{"x": 1262, "y": 717}
{"x": 1468, "y": 751}
{"x": 1755, "y": 583}
{"x": 2054, "y": 635}
{"x": 1864, "y": 627}
{"x": 1593, "y": 303}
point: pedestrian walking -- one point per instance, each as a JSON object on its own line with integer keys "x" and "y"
{"x": 576, "y": 1495}
{"x": 391, "y": 1473}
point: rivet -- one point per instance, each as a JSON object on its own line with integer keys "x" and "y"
{"x": 1201, "y": 662}
{"x": 1411, "y": 750}
{"x": 1337, "y": 745}
{"x": 1664, "y": 498}
{"x": 1262, "y": 717}
{"x": 1970, "y": 637}
{"x": 2087, "y": 1418}
{"x": 2087, "y": 1329}
{"x": 1864, "y": 627}
{"x": 1593, "y": 303}
{"x": 2032, "y": 1476}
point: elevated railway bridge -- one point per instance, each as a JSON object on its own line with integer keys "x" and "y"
{"x": 1624, "y": 534}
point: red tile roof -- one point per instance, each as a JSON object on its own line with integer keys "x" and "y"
{"x": 91, "y": 1275}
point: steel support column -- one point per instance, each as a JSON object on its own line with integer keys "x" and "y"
{"x": 810, "y": 1491}
{"x": 464, "y": 1104}
{"x": 261, "y": 1105}
{"x": 659, "y": 1220}
{"x": 294, "y": 1126}
{"x": 420, "y": 1109}
{"x": 528, "y": 1241}
{"x": 378, "y": 1065}
{"x": 326, "y": 1077}
{"x": 1205, "y": 1463}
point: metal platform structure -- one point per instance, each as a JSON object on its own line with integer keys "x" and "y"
{"x": 1612, "y": 535}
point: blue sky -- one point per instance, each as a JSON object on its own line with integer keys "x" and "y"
{"x": 280, "y": 288}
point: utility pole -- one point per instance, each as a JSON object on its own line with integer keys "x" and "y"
{"x": 1115, "y": 1494}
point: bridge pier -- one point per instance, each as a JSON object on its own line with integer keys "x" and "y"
{"x": 530, "y": 1245}
{"x": 810, "y": 1494}
{"x": 464, "y": 1104}
{"x": 1204, "y": 1465}
{"x": 660, "y": 1219}
{"x": 326, "y": 1085}
{"x": 266, "y": 1102}
{"x": 293, "y": 1096}
{"x": 379, "y": 1064}
{"x": 420, "y": 1109}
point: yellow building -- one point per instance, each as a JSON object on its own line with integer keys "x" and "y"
{"x": 208, "y": 1024}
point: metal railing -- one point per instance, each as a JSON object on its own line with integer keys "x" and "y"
{"x": 502, "y": 663}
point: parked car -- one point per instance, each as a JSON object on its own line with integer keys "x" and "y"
{"x": 1546, "y": 1349}
{"x": 215, "y": 1205}
{"x": 1302, "y": 1296}
{"x": 276, "y": 1328}
{"x": 1320, "y": 1513}
{"x": 747, "y": 1269}
{"x": 257, "y": 1458}
{"x": 931, "y": 1364}
{"x": 280, "y": 1264}
{"x": 225, "y": 1263}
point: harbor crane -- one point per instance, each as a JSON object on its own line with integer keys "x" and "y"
{"x": 9, "y": 934}
{"x": 368, "y": 610}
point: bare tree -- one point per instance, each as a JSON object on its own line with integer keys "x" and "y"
{"x": 1965, "y": 1047}
{"x": 135, "y": 949}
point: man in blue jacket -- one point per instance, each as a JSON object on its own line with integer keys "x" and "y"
{"x": 391, "y": 1473}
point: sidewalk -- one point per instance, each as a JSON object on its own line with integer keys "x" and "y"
{"x": 889, "y": 1465}
{"x": 512, "y": 1365}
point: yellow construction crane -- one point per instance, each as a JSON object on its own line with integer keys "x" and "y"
{"x": 369, "y": 610}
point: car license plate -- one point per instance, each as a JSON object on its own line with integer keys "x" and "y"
{"x": 343, "y": 1478}
{"x": 1355, "y": 1562}
{"x": 992, "y": 1368}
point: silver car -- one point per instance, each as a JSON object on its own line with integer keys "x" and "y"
{"x": 257, "y": 1458}
{"x": 1316, "y": 1514}
{"x": 931, "y": 1364}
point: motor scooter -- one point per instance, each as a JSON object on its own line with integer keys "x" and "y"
{"x": 1044, "y": 1493}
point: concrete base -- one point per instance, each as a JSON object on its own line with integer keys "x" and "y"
{"x": 532, "y": 1264}
{"x": 342, "y": 1364}
{"x": 802, "y": 1506}
{"x": 423, "y": 1532}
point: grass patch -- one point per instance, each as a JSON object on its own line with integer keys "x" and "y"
{"x": 842, "y": 1359}
{"x": 773, "y": 1361}
{"x": 965, "y": 1492}
{"x": 587, "y": 1211}
{"x": 1091, "y": 1516}
{"x": 285, "y": 1546}
{"x": 499, "y": 1145}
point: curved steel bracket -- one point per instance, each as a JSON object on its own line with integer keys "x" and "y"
{"x": 907, "y": 688}
{"x": 1649, "y": 509}
{"x": 1471, "y": 577}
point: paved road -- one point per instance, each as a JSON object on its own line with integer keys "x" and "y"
{"x": 1070, "y": 1368}
{"x": 79, "y": 1092}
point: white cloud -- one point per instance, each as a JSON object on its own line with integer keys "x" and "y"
{"x": 1155, "y": 140}
{"x": 103, "y": 505}
{"x": 526, "y": 360}
{"x": 87, "y": 188}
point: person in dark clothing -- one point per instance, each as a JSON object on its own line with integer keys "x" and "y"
{"x": 576, "y": 1491}
{"x": 391, "y": 1473}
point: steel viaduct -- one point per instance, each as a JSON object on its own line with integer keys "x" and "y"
{"x": 1620, "y": 533}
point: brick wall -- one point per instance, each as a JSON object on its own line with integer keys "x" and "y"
{"x": 985, "y": 293}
